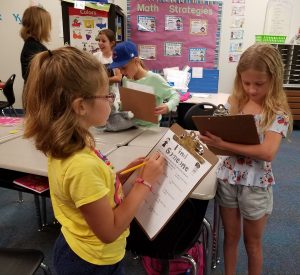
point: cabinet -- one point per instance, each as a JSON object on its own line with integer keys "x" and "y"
{"x": 293, "y": 96}
{"x": 291, "y": 82}
{"x": 291, "y": 59}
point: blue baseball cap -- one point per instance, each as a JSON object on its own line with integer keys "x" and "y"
{"x": 123, "y": 53}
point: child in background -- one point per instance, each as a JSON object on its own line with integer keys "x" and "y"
{"x": 36, "y": 28}
{"x": 66, "y": 94}
{"x": 107, "y": 40}
{"x": 125, "y": 57}
{"x": 245, "y": 180}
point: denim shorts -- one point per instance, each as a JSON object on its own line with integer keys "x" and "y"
{"x": 253, "y": 202}
{"x": 66, "y": 262}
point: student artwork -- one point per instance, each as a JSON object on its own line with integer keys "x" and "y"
{"x": 236, "y": 46}
{"x": 234, "y": 57}
{"x": 173, "y": 23}
{"x": 198, "y": 27}
{"x": 237, "y": 34}
{"x": 237, "y": 22}
{"x": 173, "y": 49}
{"x": 238, "y": 10}
{"x": 197, "y": 54}
{"x": 146, "y": 23}
{"x": 147, "y": 52}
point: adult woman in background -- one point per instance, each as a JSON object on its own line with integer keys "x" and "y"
{"x": 36, "y": 28}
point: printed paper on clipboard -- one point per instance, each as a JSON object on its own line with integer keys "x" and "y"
{"x": 233, "y": 128}
{"x": 184, "y": 171}
{"x": 142, "y": 104}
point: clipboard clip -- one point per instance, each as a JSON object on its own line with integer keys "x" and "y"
{"x": 192, "y": 144}
{"x": 221, "y": 111}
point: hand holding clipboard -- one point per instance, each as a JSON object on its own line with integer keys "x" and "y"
{"x": 232, "y": 128}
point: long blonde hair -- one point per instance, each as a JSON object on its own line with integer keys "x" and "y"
{"x": 55, "y": 80}
{"x": 263, "y": 58}
{"x": 36, "y": 23}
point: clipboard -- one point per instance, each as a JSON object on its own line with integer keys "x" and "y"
{"x": 233, "y": 128}
{"x": 142, "y": 104}
{"x": 188, "y": 162}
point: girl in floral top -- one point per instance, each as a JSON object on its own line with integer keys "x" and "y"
{"x": 245, "y": 179}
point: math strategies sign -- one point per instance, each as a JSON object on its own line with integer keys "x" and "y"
{"x": 172, "y": 33}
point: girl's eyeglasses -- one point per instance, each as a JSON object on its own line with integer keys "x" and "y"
{"x": 110, "y": 97}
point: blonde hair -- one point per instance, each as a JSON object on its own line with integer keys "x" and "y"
{"x": 55, "y": 80}
{"x": 36, "y": 23}
{"x": 263, "y": 58}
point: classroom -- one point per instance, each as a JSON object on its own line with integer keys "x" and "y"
{"x": 223, "y": 79}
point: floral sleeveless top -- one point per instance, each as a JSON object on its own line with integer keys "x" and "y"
{"x": 247, "y": 171}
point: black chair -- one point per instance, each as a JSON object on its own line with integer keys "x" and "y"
{"x": 200, "y": 109}
{"x": 8, "y": 92}
{"x": 15, "y": 261}
{"x": 176, "y": 238}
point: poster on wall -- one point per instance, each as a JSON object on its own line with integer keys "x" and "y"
{"x": 176, "y": 33}
{"x": 84, "y": 27}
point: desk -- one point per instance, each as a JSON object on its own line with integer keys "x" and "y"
{"x": 149, "y": 137}
{"x": 115, "y": 138}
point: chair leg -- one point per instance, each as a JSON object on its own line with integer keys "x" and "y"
{"x": 3, "y": 113}
{"x": 216, "y": 236}
{"x": 44, "y": 212}
{"x": 191, "y": 260}
{"x": 20, "y": 197}
{"x": 14, "y": 110}
{"x": 46, "y": 269}
{"x": 208, "y": 247}
{"x": 38, "y": 212}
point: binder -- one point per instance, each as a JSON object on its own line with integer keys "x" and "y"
{"x": 233, "y": 128}
{"x": 188, "y": 162}
{"x": 142, "y": 104}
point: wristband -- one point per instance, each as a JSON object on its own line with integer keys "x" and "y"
{"x": 142, "y": 181}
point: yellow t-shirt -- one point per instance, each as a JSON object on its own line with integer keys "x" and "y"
{"x": 78, "y": 180}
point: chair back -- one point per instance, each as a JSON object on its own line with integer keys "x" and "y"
{"x": 8, "y": 90}
{"x": 200, "y": 109}
{"x": 179, "y": 234}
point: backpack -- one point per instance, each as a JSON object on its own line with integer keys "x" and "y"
{"x": 155, "y": 266}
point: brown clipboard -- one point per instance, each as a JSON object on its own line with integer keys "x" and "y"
{"x": 188, "y": 141}
{"x": 142, "y": 104}
{"x": 233, "y": 128}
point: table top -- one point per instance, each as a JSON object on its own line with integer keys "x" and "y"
{"x": 149, "y": 137}
{"x": 121, "y": 157}
{"x": 116, "y": 138}
{"x": 21, "y": 155}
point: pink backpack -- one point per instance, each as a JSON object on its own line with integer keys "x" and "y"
{"x": 154, "y": 266}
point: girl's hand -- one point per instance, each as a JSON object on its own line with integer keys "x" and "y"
{"x": 211, "y": 140}
{"x": 154, "y": 168}
{"x": 124, "y": 177}
{"x": 161, "y": 109}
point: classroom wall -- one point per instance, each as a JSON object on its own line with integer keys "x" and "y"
{"x": 11, "y": 43}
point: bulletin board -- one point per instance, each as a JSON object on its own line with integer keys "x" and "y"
{"x": 172, "y": 33}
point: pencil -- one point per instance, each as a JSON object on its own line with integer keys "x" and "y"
{"x": 132, "y": 168}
